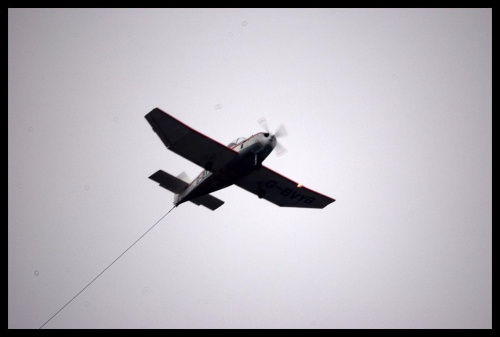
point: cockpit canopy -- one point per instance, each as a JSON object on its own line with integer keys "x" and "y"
{"x": 236, "y": 141}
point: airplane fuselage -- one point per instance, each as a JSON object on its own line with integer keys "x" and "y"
{"x": 251, "y": 153}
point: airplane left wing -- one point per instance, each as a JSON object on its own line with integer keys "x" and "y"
{"x": 282, "y": 191}
{"x": 189, "y": 143}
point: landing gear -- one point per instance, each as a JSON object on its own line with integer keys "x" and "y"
{"x": 209, "y": 165}
{"x": 256, "y": 163}
{"x": 261, "y": 194}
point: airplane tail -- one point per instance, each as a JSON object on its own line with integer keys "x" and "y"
{"x": 184, "y": 177}
{"x": 179, "y": 184}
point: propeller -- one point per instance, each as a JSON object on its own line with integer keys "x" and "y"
{"x": 279, "y": 133}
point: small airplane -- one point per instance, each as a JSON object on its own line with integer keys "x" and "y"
{"x": 239, "y": 163}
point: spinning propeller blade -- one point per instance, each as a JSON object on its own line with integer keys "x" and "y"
{"x": 279, "y": 133}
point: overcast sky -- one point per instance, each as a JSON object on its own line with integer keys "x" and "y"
{"x": 389, "y": 111}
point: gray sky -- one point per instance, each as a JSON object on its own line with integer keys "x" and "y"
{"x": 388, "y": 111}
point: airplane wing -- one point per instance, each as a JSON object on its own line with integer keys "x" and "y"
{"x": 282, "y": 191}
{"x": 189, "y": 143}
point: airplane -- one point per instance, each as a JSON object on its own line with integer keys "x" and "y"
{"x": 239, "y": 163}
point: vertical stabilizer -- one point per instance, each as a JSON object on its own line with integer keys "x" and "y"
{"x": 184, "y": 177}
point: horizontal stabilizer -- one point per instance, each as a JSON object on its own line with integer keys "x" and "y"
{"x": 169, "y": 182}
{"x": 208, "y": 201}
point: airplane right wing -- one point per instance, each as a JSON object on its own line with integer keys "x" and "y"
{"x": 279, "y": 190}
